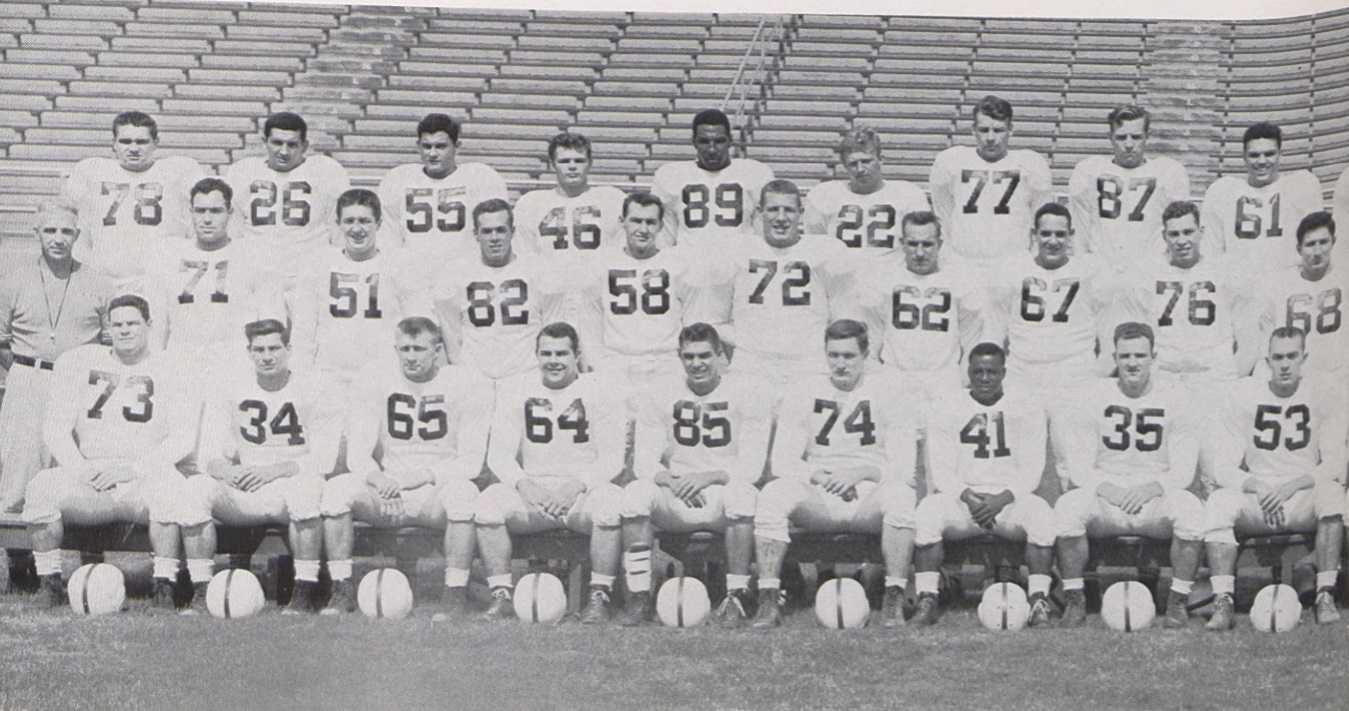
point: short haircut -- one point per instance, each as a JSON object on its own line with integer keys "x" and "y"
{"x": 1053, "y": 208}
{"x": 567, "y": 139}
{"x": 642, "y": 198}
{"x": 700, "y": 333}
{"x": 414, "y": 326}
{"x": 1289, "y": 332}
{"x": 1134, "y": 329}
{"x": 205, "y": 186}
{"x": 436, "y": 123}
{"x": 711, "y": 117}
{"x": 1180, "y": 208}
{"x": 918, "y": 218}
{"x": 1264, "y": 129}
{"x": 492, "y": 205}
{"x": 136, "y": 118}
{"x": 846, "y": 328}
{"x": 358, "y": 196}
{"x": 559, "y": 329}
{"x": 1315, "y": 221}
{"x": 985, "y": 349}
{"x": 56, "y": 206}
{"x": 1131, "y": 112}
{"x": 266, "y": 327}
{"x": 861, "y": 138}
{"x": 134, "y": 301}
{"x": 994, "y": 107}
{"x": 285, "y": 121}
{"x": 779, "y": 186}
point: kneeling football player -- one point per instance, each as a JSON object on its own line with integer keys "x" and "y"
{"x": 416, "y": 440}
{"x": 702, "y": 442}
{"x": 843, "y": 456}
{"x": 986, "y": 452}
{"x": 556, "y": 446}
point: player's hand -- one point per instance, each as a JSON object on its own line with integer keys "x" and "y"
{"x": 986, "y": 515}
{"x": 664, "y": 478}
{"x": 391, "y": 507}
{"x": 688, "y": 487}
{"x": 536, "y": 496}
{"x": 565, "y": 497}
{"x": 974, "y": 501}
{"x": 108, "y": 478}
{"x": 1136, "y": 497}
{"x": 386, "y": 486}
{"x": 833, "y": 483}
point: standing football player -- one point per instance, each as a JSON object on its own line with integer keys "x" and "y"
{"x": 1340, "y": 198}
{"x": 1117, "y": 201}
{"x": 702, "y": 442}
{"x": 1134, "y": 452}
{"x": 865, "y": 211}
{"x": 1311, "y": 297}
{"x": 268, "y": 440}
{"x": 47, "y": 307}
{"x": 844, "y": 455}
{"x": 556, "y": 446}
{"x": 986, "y": 452}
{"x": 119, "y": 421}
{"x": 1283, "y": 475}
{"x": 575, "y": 219}
{"x": 133, "y": 204}
{"x": 416, "y": 440}
{"x": 985, "y": 195}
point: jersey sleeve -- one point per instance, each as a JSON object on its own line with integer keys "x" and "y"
{"x": 184, "y": 410}
{"x": 610, "y": 428}
{"x": 1211, "y": 217}
{"x": 940, "y": 189}
{"x": 651, "y": 440}
{"x": 1029, "y": 431}
{"x": 1041, "y": 181}
{"x": 364, "y": 420}
{"x": 752, "y": 449}
{"x": 217, "y": 442}
{"x": 325, "y": 430}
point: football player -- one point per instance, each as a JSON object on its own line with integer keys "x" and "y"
{"x": 863, "y": 212}
{"x": 1250, "y": 216}
{"x": 574, "y": 219}
{"x": 1284, "y": 473}
{"x": 1117, "y": 201}
{"x": 284, "y": 201}
{"x": 556, "y": 446}
{"x": 48, "y": 306}
{"x": 986, "y": 452}
{"x": 843, "y": 455}
{"x": 118, "y": 423}
{"x": 1310, "y": 297}
{"x": 702, "y": 442}
{"x": 1134, "y": 449}
{"x": 268, "y": 440}
{"x": 416, "y": 440}
{"x": 985, "y": 195}
{"x": 1340, "y": 198}
{"x": 709, "y": 201}
{"x": 429, "y": 203}
{"x": 132, "y": 204}
{"x": 496, "y": 302}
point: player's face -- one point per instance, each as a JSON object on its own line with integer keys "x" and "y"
{"x": 986, "y": 374}
{"x": 210, "y": 216}
{"x": 1052, "y": 235}
{"x": 1262, "y": 160}
{"x": 713, "y": 144}
{"x": 781, "y": 216}
{"x": 864, "y": 167}
{"x": 1129, "y": 140}
{"x": 1182, "y": 235}
{"x": 1133, "y": 358}
{"x": 642, "y": 223}
{"x": 1285, "y": 360}
{"x": 270, "y": 356}
{"x": 921, "y": 245}
{"x": 57, "y": 232}
{"x": 700, "y": 361}
{"x": 417, "y": 355}
{"x": 494, "y": 233}
{"x": 1315, "y": 249}
{"x": 285, "y": 149}
{"x": 437, "y": 152}
{"x": 992, "y": 135}
{"x": 557, "y": 360}
{"x": 134, "y": 147}
{"x": 359, "y": 225}
{"x": 572, "y": 168}
{"x": 846, "y": 360}
{"x": 130, "y": 330}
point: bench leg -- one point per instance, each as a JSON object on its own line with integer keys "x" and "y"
{"x": 577, "y": 577}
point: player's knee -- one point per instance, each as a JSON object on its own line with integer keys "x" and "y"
{"x": 1037, "y": 518}
{"x": 1188, "y": 520}
{"x": 1071, "y": 513}
{"x": 1328, "y": 498}
{"x": 303, "y": 496}
{"x": 604, "y": 504}
{"x": 930, "y": 519}
{"x": 778, "y": 498}
{"x": 339, "y": 494}
{"x": 739, "y": 500}
{"x": 459, "y": 499}
{"x": 639, "y": 497}
{"x": 493, "y": 505}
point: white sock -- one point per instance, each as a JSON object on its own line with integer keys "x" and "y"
{"x": 894, "y": 581}
{"x": 927, "y": 582}
{"x": 602, "y": 581}
{"x": 737, "y": 582}
{"x": 456, "y": 577}
{"x": 1072, "y": 584}
{"x": 1223, "y": 584}
{"x": 1182, "y": 586}
{"x": 339, "y": 570}
{"x": 637, "y": 568}
{"x": 769, "y": 583}
{"x": 1326, "y": 579}
{"x": 47, "y": 563}
{"x": 165, "y": 568}
{"x": 1038, "y": 584}
{"x": 307, "y": 571}
{"x": 200, "y": 569}
{"x": 500, "y": 581}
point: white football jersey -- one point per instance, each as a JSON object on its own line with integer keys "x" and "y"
{"x": 1131, "y": 441}
{"x": 127, "y": 216}
{"x": 724, "y": 430}
{"x": 988, "y": 448}
{"x": 556, "y": 226}
{"x": 1281, "y": 438}
{"x": 1258, "y": 226}
{"x": 248, "y": 424}
{"x": 862, "y": 222}
{"x": 293, "y": 214}
{"x": 709, "y": 209}
{"x": 986, "y": 208}
{"x": 630, "y": 306}
{"x": 432, "y": 216}
{"x": 1340, "y": 200}
{"x": 1316, "y": 307}
{"x": 1117, "y": 211}
{"x": 347, "y": 310}
{"x": 577, "y": 432}
{"x": 1055, "y": 317}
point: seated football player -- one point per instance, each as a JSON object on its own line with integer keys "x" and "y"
{"x": 416, "y": 439}
{"x": 268, "y": 439}
{"x": 1284, "y": 473}
{"x": 575, "y": 220}
{"x": 844, "y": 456}
{"x": 865, "y": 211}
{"x": 557, "y": 444}
{"x": 119, "y": 421}
{"x": 986, "y": 452}
{"x": 1133, "y": 453}
{"x": 701, "y": 444}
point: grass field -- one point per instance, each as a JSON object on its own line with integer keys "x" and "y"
{"x": 57, "y": 660}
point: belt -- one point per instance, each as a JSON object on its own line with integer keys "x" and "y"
{"x": 33, "y": 362}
